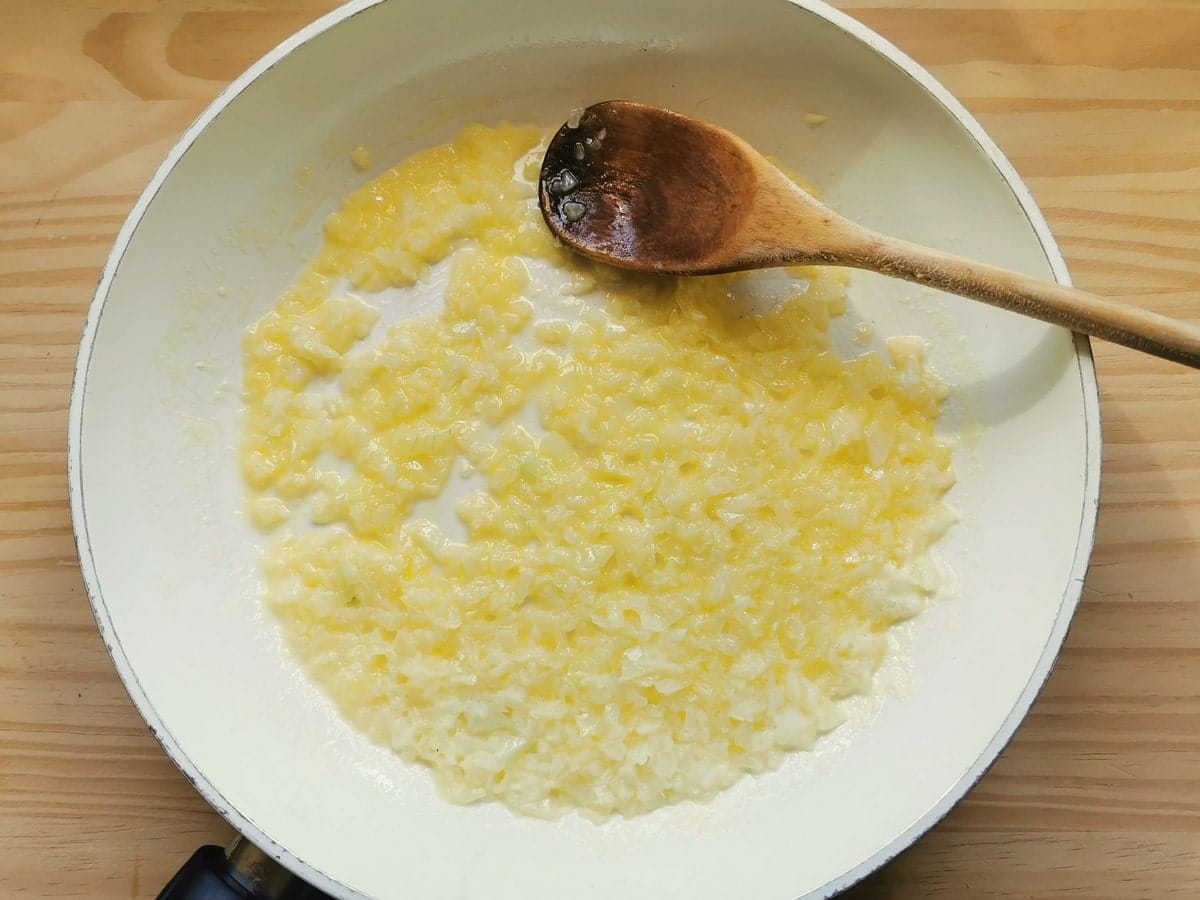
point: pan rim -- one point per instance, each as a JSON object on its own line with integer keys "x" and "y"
{"x": 1050, "y": 650}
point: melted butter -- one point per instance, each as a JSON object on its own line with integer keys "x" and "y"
{"x": 667, "y": 582}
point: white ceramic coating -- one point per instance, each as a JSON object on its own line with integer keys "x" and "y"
{"x": 227, "y": 221}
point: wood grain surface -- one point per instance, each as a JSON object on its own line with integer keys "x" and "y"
{"x": 1097, "y": 102}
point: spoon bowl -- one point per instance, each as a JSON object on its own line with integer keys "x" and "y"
{"x": 613, "y": 175}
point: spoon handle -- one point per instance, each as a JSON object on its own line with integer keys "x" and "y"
{"x": 1071, "y": 308}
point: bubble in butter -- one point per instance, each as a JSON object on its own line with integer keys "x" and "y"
{"x": 686, "y": 524}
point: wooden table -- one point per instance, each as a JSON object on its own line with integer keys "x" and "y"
{"x": 1097, "y": 102}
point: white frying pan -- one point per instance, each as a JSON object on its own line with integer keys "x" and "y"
{"x": 227, "y": 222}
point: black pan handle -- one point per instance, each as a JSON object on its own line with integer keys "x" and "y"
{"x": 244, "y": 873}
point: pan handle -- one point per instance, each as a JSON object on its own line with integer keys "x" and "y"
{"x": 244, "y": 873}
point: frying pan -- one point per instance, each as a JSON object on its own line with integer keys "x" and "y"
{"x": 228, "y": 221}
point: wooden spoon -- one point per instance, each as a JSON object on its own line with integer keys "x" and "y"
{"x": 647, "y": 189}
